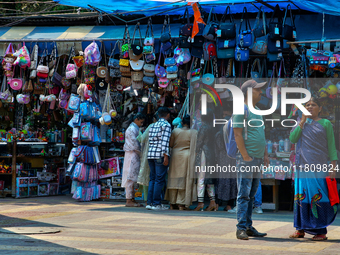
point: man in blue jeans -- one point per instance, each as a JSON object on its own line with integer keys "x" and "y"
{"x": 158, "y": 158}
{"x": 251, "y": 143}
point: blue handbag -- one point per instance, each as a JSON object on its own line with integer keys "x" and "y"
{"x": 172, "y": 69}
{"x": 245, "y": 37}
{"x": 169, "y": 62}
{"x": 85, "y": 110}
{"x": 241, "y": 54}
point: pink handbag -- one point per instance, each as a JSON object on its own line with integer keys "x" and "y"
{"x": 71, "y": 74}
{"x": 16, "y": 83}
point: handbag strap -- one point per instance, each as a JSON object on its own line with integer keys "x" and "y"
{"x": 126, "y": 36}
{"x": 282, "y": 66}
{"x": 186, "y": 14}
{"x": 147, "y": 28}
{"x": 276, "y": 14}
{"x": 134, "y": 34}
{"x": 102, "y": 42}
{"x": 166, "y": 23}
{"x": 114, "y": 47}
{"x": 291, "y": 16}
{"x": 246, "y": 19}
{"x": 256, "y": 62}
{"x": 71, "y": 55}
{"x": 231, "y": 17}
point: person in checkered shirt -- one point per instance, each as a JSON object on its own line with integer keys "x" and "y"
{"x": 158, "y": 158}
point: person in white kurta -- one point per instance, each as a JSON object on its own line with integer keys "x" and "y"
{"x": 131, "y": 165}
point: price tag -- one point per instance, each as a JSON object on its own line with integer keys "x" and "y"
{"x": 192, "y": 40}
{"x": 276, "y": 31}
{"x": 202, "y": 61}
{"x": 219, "y": 33}
{"x": 279, "y": 55}
{"x": 278, "y": 44}
{"x": 189, "y": 39}
{"x": 226, "y": 43}
{"x": 294, "y": 34}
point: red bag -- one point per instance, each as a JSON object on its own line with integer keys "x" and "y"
{"x": 333, "y": 194}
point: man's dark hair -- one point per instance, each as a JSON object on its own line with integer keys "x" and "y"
{"x": 139, "y": 116}
{"x": 186, "y": 120}
{"x": 163, "y": 111}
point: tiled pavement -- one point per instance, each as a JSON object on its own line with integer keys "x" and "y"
{"x": 111, "y": 228}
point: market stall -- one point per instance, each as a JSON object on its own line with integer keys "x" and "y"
{"x": 70, "y": 91}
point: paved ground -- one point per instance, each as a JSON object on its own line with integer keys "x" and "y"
{"x": 111, "y": 228}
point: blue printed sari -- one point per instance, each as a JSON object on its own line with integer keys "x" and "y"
{"x": 312, "y": 209}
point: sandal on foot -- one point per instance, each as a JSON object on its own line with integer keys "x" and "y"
{"x": 319, "y": 238}
{"x": 297, "y": 234}
{"x": 135, "y": 205}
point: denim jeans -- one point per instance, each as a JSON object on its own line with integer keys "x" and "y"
{"x": 157, "y": 181}
{"x": 247, "y": 184}
{"x": 258, "y": 196}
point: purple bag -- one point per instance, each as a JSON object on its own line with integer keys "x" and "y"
{"x": 160, "y": 70}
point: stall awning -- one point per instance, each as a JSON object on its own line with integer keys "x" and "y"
{"x": 152, "y": 7}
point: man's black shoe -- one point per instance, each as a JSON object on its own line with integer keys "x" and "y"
{"x": 253, "y": 232}
{"x": 241, "y": 234}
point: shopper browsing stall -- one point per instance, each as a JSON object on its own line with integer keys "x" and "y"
{"x": 313, "y": 210}
{"x": 132, "y": 159}
{"x": 180, "y": 189}
{"x": 158, "y": 157}
{"x": 251, "y": 152}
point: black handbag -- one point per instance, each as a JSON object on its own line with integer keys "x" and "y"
{"x": 289, "y": 31}
{"x": 275, "y": 27}
{"x": 259, "y": 29}
{"x": 197, "y": 52}
{"x": 274, "y": 45}
{"x": 184, "y": 43}
{"x": 210, "y": 29}
{"x": 227, "y": 30}
{"x": 166, "y": 36}
{"x": 186, "y": 29}
{"x": 198, "y": 41}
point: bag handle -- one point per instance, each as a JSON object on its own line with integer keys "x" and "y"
{"x": 276, "y": 14}
{"x": 147, "y": 28}
{"x": 126, "y": 36}
{"x": 166, "y": 23}
{"x": 102, "y": 42}
{"x": 231, "y": 17}
{"x": 140, "y": 34}
{"x": 246, "y": 19}
{"x": 186, "y": 13}
{"x": 256, "y": 62}
{"x": 114, "y": 47}
{"x": 291, "y": 16}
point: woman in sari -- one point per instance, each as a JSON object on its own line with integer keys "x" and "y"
{"x": 313, "y": 211}
{"x": 131, "y": 159}
{"x": 181, "y": 184}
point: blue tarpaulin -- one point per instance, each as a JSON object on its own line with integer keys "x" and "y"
{"x": 153, "y": 7}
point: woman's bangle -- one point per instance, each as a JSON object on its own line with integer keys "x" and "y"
{"x": 301, "y": 125}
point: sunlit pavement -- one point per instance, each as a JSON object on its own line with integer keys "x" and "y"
{"x": 60, "y": 225}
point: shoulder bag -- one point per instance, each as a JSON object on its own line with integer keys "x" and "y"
{"x": 166, "y": 36}
{"x": 136, "y": 50}
{"x": 275, "y": 27}
{"x": 289, "y": 31}
{"x": 210, "y": 29}
{"x": 149, "y": 40}
{"x": 227, "y": 30}
{"x": 245, "y": 37}
{"x": 259, "y": 29}
{"x": 186, "y": 29}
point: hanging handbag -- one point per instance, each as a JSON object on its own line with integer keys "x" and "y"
{"x": 289, "y": 31}
{"x": 113, "y": 63}
{"x": 259, "y": 29}
{"x": 274, "y": 45}
{"x": 210, "y": 29}
{"x": 137, "y": 65}
{"x": 163, "y": 82}
{"x": 150, "y": 57}
{"x": 227, "y": 30}
{"x": 245, "y": 37}
{"x": 274, "y": 57}
{"x": 184, "y": 42}
{"x": 208, "y": 78}
{"x": 150, "y": 68}
{"x": 136, "y": 50}
{"x": 149, "y": 40}
{"x": 260, "y": 46}
{"x": 125, "y": 81}
{"x": 16, "y": 83}
{"x": 275, "y": 27}
{"x": 115, "y": 73}
{"x": 166, "y": 36}
{"x": 34, "y": 58}
{"x": 137, "y": 84}
{"x": 186, "y": 29}
{"x": 136, "y": 75}
{"x": 102, "y": 70}
{"x": 125, "y": 70}
{"x": 241, "y": 54}
{"x": 149, "y": 80}
{"x": 160, "y": 70}
{"x": 256, "y": 75}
